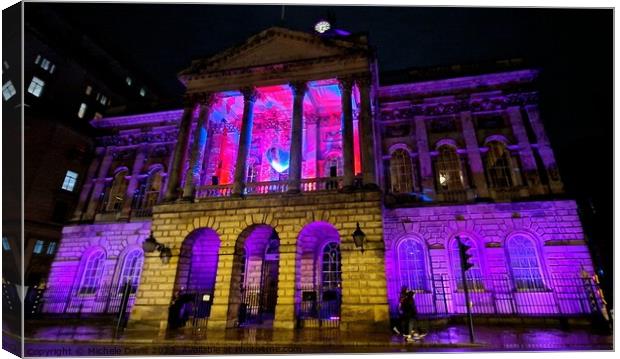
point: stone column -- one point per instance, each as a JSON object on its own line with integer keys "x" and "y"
{"x": 473, "y": 154}
{"x": 525, "y": 150}
{"x": 245, "y": 139}
{"x": 294, "y": 170}
{"x": 367, "y": 145}
{"x": 141, "y": 153}
{"x": 544, "y": 149}
{"x": 198, "y": 147}
{"x": 426, "y": 166}
{"x": 88, "y": 184}
{"x": 347, "y": 132}
{"x": 180, "y": 152}
{"x": 99, "y": 183}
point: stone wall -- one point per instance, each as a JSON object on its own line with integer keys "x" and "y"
{"x": 364, "y": 300}
{"x": 553, "y": 225}
{"x": 115, "y": 239}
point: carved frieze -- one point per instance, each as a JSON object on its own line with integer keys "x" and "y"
{"x": 137, "y": 138}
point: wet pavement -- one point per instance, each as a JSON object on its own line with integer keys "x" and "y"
{"x": 81, "y": 339}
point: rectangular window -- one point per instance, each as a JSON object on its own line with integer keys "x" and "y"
{"x": 5, "y": 244}
{"x": 37, "y": 60}
{"x": 38, "y": 246}
{"x": 128, "y": 80}
{"x": 103, "y": 100}
{"x": 70, "y": 180}
{"x": 36, "y": 86}
{"x": 51, "y": 248}
{"x": 45, "y": 64}
{"x": 82, "y": 110}
{"x": 89, "y": 90}
{"x": 52, "y": 69}
{"x": 142, "y": 92}
{"x": 8, "y": 90}
{"x": 6, "y": 65}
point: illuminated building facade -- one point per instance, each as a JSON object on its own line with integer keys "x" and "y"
{"x": 286, "y": 145}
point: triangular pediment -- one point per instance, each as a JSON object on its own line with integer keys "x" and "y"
{"x": 276, "y": 46}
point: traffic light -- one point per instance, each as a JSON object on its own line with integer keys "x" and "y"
{"x": 463, "y": 248}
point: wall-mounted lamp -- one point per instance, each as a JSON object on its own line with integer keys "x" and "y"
{"x": 359, "y": 237}
{"x": 150, "y": 245}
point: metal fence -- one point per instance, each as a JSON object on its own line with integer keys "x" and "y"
{"x": 555, "y": 296}
{"x": 191, "y": 308}
{"x": 68, "y": 300}
{"x": 318, "y": 307}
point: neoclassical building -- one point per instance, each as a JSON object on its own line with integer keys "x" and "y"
{"x": 286, "y": 146}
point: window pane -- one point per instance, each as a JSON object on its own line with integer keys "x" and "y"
{"x": 38, "y": 247}
{"x": 8, "y": 90}
{"x": 132, "y": 268}
{"x": 401, "y": 172}
{"x": 36, "y": 86}
{"x": 82, "y": 110}
{"x": 5, "y": 244}
{"x": 474, "y": 274}
{"x": 523, "y": 261}
{"x": 411, "y": 264}
{"x": 331, "y": 268}
{"x": 51, "y": 248}
{"x": 70, "y": 180}
{"x": 92, "y": 273}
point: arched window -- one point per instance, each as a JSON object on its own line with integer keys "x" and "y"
{"x": 401, "y": 172}
{"x": 333, "y": 165}
{"x": 524, "y": 263}
{"x": 448, "y": 170}
{"x": 331, "y": 271}
{"x": 252, "y": 175}
{"x": 412, "y": 265}
{"x": 131, "y": 270}
{"x": 93, "y": 271}
{"x": 153, "y": 187}
{"x": 499, "y": 166}
{"x": 474, "y": 274}
{"x": 117, "y": 191}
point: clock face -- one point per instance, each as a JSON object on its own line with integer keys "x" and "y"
{"x": 322, "y": 26}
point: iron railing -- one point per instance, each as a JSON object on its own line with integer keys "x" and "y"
{"x": 559, "y": 296}
{"x": 71, "y": 301}
{"x": 318, "y": 307}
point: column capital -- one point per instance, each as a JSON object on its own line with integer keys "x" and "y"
{"x": 298, "y": 88}
{"x": 363, "y": 80}
{"x": 345, "y": 84}
{"x": 207, "y": 98}
{"x": 249, "y": 94}
{"x": 190, "y": 100}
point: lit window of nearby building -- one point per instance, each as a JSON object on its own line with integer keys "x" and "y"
{"x": 128, "y": 80}
{"x": 36, "y": 86}
{"x": 38, "y": 246}
{"x": 82, "y": 110}
{"x": 5, "y": 244}
{"x": 8, "y": 90}
{"x": 37, "y": 60}
{"x": 103, "y": 99}
{"x": 98, "y": 96}
{"x": 89, "y": 90}
{"x": 6, "y": 65}
{"x": 45, "y": 64}
{"x": 142, "y": 92}
{"x": 51, "y": 248}
{"x": 52, "y": 69}
{"x": 70, "y": 180}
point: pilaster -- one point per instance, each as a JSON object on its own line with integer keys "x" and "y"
{"x": 426, "y": 166}
{"x": 369, "y": 175}
{"x": 473, "y": 154}
{"x": 347, "y": 132}
{"x": 180, "y": 151}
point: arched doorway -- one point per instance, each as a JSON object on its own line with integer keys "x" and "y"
{"x": 254, "y": 281}
{"x": 195, "y": 280}
{"x": 318, "y": 276}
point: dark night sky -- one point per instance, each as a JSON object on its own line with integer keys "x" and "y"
{"x": 572, "y": 47}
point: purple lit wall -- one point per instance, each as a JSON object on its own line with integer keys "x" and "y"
{"x": 198, "y": 260}
{"x": 62, "y": 294}
{"x": 559, "y": 248}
